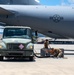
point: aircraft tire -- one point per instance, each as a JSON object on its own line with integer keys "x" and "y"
{"x": 31, "y": 58}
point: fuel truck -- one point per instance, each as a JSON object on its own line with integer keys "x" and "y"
{"x": 17, "y": 42}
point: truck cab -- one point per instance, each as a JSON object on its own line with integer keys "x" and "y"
{"x": 17, "y": 43}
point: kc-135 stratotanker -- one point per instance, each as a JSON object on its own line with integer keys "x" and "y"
{"x": 48, "y": 20}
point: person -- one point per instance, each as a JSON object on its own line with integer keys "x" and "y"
{"x": 46, "y": 47}
{"x": 46, "y": 43}
{"x": 56, "y": 52}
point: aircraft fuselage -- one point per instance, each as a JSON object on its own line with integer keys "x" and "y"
{"x": 47, "y": 19}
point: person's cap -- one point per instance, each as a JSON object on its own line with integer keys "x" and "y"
{"x": 46, "y": 39}
{"x": 52, "y": 48}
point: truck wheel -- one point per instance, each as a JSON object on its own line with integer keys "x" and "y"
{"x": 1, "y": 58}
{"x": 31, "y": 58}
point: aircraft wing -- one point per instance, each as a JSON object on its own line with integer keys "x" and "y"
{"x": 53, "y": 35}
{"x": 5, "y": 12}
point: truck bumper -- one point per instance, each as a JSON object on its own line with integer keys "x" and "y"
{"x": 16, "y": 53}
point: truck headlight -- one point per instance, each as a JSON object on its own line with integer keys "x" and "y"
{"x": 1, "y": 46}
{"x": 30, "y": 47}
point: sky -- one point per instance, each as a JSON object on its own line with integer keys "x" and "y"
{"x": 57, "y": 2}
{"x": 50, "y": 2}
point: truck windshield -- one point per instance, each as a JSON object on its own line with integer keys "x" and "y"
{"x": 17, "y": 33}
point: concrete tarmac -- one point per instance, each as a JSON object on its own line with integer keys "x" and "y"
{"x": 41, "y": 66}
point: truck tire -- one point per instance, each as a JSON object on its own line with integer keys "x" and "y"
{"x": 31, "y": 58}
{"x": 1, "y": 58}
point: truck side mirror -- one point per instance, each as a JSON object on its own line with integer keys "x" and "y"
{"x": 34, "y": 36}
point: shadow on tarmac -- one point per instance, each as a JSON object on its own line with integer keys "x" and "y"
{"x": 17, "y": 60}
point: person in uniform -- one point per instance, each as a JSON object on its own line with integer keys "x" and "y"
{"x": 46, "y": 46}
{"x": 46, "y": 43}
{"x": 56, "y": 52}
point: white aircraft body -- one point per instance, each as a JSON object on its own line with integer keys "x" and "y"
{"x": 57, "y": 20}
